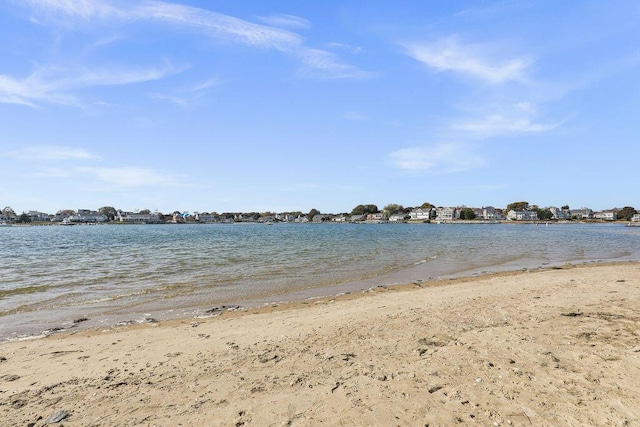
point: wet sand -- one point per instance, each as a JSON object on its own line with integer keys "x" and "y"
{"x": 548, "y": 347}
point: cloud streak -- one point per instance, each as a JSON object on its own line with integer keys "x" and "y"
{"x": 326, "y": 65}
{"x": 437, "y": 159}
{"x": 286, "y": 21}
{"x": 518, "y": 118}
{"x": 51, "y": 153}
{"x": 128, "y": 177}
{"x": 471, "y": 60}
{"x": 316, "y": 63}
{"x": 498, "y": 124}
{"x": 65, "y": 162}
{"x": 55, "y": 85}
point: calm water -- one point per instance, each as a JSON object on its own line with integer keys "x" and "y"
{"x": 53, "y": 275}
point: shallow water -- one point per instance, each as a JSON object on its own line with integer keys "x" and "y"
{"x": 53, "y": 275}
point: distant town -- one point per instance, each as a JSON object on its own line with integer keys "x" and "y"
{"x": 426, "y": 213}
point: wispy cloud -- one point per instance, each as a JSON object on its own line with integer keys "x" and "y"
{"x": 472, "y": 60}
{"x": 518, "y": 118}
{"x": 51, "y": 153}
{"x": 497, "y": 124}
{"x": 286, "y": 21}
{"x": 63, "y": 9}
{"x": 323, "y": 64}
{"x": 55, "y": 85}
{"x": 345, "y": 47}
{"x": 355, "y": 116}
{"x": 437, "y": 159}
{"x": 128, "y": 177}
{"x": 211, "y": 24}
{"x": 175, "y": 100}
{"x": 187, "y": 97}
{"x": 66, "y": 162}
{"x": 198, "y": 87}
{"x": 81, "y": 12}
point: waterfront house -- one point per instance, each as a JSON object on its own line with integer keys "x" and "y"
{"x": 379, "y": 216}
{"x": 398, "y": 217}
{"x": 522, "y": 215}
{"x": 636, "y": 217}
{"x": 491, "y": 213}
{"x": 322, "y": 218}
{"x": 39, "y": 216}
{"x": 421, "y": 214}
{"x": 560, "y": 213}
{"x": 447, "y": 214}
{"x": 87, "y": 217}
{"x": 140, "y": 218}
{"x": 584, "y": 213}
{"x": 206, "y": 217}
{"x": 610, "y": 215}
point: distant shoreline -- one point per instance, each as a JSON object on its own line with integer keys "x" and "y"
{"x": 431, "y": 222}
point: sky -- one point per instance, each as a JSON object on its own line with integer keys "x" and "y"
{"x": 247, "y": 106}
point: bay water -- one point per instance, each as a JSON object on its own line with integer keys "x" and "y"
{"x": 52, "y": 276}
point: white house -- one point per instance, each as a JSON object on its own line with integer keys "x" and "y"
{"x": 636, "y": 217}
{"x": 420, "y": 214}
{"x": 606, "y": 215}
{"x": 522, "y": 215}
{"x": 138, "y": 218}
{"x": 398, "y": 217}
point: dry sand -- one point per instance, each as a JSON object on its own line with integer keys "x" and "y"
{"x": 552, "y": 347}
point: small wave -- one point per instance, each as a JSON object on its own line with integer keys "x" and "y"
{"x": 23, "y": 290}
{"x": 422, "y": 261}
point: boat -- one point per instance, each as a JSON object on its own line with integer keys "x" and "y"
{"x": 66, "y": 222}
{"x": 5, "y": 224}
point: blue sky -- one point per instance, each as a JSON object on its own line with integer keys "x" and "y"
{"x": 293, "y": 105}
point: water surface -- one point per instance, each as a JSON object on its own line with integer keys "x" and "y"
{"x": 54, "y": 275}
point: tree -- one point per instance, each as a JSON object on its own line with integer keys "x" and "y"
{"x": 312, "y": 213}
{"x": 358, "y": 210}
{"x": 109, "y": 212}
{"x": 364, "y": 209}
{"x": 9, "y": 212}
{"x": 427, "y": 205}
{"x": 626, "y": 213}
{"x": 517, "y": 206}
{"x": 392, "y": 208}
{"x": 24, "y": 218}
{"x": 467, "y": 213}
{"x": 145, "y": 212}
{"x": 544, "y": 214}
{"x": 565, "y": 208}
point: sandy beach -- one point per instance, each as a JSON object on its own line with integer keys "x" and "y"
{"x": 543, "y": 347}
